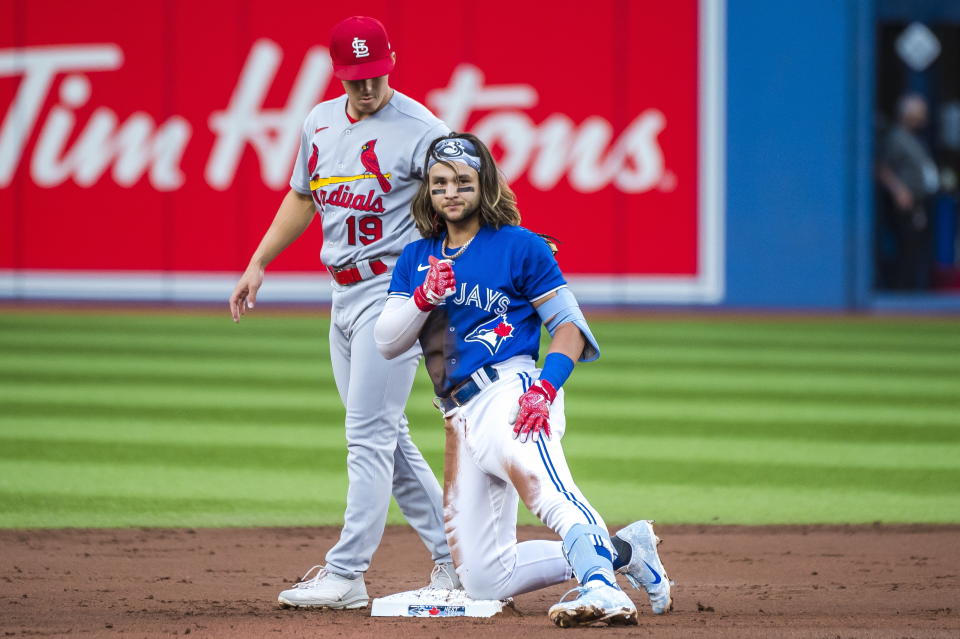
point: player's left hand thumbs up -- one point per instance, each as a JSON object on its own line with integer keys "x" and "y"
{"x": 439, "y": 284}
{"x": 531, "y": 415}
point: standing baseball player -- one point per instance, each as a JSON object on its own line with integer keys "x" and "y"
{"x": 475, "y": 291}
{"x": 358, "y": 168}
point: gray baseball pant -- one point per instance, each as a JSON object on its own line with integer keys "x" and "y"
{"x": 381, "y": 456}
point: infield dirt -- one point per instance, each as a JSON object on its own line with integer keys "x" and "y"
{"x": 731, "y": 581}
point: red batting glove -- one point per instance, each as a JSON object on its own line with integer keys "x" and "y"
{"x": 438, "y": 286}
{"x": 532, "y": 413}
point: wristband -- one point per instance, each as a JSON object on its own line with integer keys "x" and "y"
{"x": 556, "y": 369}
{"x": 420, "y": 299}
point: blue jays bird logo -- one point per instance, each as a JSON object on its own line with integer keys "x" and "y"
{"x": 450, "y": 149}
{"x": 492, "y": 333}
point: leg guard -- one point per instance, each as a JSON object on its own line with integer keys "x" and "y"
{"x": 588, "y": 549}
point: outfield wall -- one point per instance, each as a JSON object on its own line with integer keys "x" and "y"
{"x": 791, "y": 154}
{"x": 690, "y": 152}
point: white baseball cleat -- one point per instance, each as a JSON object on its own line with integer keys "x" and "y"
{"x": 645, "y": 569}
{"x": 444, "y": 577}
{"x": 325, "y": 590}
{"x": 597, "y": 602}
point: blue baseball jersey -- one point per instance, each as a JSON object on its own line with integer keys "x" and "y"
{"x": 490, "y": 318}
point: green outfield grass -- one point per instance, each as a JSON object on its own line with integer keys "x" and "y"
{"x": 132, "y": 419}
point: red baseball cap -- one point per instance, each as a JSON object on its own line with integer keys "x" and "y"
{"x": 360, "y": 49}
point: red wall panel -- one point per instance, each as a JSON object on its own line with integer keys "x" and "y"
{"x": 592, "y": 112}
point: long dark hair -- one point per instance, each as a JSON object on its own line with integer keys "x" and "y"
{"x": 498, "y": 204}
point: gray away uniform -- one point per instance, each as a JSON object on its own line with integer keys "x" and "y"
{"x": 362, "y": 177}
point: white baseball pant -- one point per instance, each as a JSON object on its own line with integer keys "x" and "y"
{"x": 486, "y": 471}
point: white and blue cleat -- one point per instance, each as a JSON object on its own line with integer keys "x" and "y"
{"x": 645, "y": 569}
{"x": 597, "y": 602}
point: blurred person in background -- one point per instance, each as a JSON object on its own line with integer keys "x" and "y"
{"x": 908, "y": 175}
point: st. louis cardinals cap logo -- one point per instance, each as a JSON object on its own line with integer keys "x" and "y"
{"x": 360, "y": 48}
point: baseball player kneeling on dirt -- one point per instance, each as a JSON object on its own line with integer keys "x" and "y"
{"x": 475, "y": 291}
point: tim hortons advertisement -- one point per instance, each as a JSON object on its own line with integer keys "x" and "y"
{"x": 145, "y": 147}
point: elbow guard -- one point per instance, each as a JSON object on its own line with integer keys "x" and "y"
{"x": 563, "y": 308}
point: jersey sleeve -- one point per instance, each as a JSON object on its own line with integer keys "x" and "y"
{"x": 300, "y": 180}
{"x": 540, "y": 273}
{"x": 401, "y": 282}
{"x": 420, "y": 154}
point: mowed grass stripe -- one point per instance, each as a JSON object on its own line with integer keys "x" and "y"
{"x": 681, "y": 363}
{"x": 763, "y": 504}
{"x": 199, "y": 392}
{"x": 287, "y": 405}
{"x": 749, "y": 388}
{"x": 728, "y": 419}
{"x": 308, "y": 363}
{"x": 891, "y": 349}
{"x": 917, "y": 334}
{"x": 874, "y": 454}
{"x": 782, "y": 357}
{"x": 53, "y": 510}
{"x": 165, "y": 411}
{"x": 677, "y": 504}
{"x": 198, "y": 324}
{"x": 681, "y": 420}
{"x": 261, "y": 456}
{"x": 598, "y": 382}
{"x": 730, "y": 394}
{"x": 637, "y": 356}
{"x": 306, "y": 366}
{"x": 309, "y": 380}
{"x": 651, "y": 471}
{"x": 168, "y": 346}
{"x": 761, "y": 330}
{"x": 595, "y": 379}
{"x": 893, "y": 346}
{"x": 195, "y": 433}
{"x": 85, "y": 478}
{"x": 120, "y": 338}
{"x": 17, "y": 503}
{"x": 147, "y": 396}
{"x": 683, "y": 357}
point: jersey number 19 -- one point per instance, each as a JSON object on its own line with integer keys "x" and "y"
{"x": 368, "y": 227}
